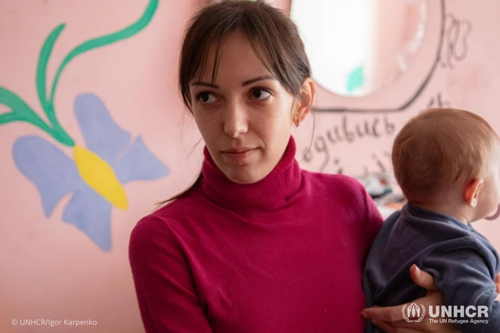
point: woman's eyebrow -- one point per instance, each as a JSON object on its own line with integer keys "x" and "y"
{"x": 245, "y": 83}
{"x": 258, "y": 78}
{"x": 201, "y": 83}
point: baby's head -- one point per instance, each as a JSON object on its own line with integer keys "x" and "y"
{"x": 448, "y": 160}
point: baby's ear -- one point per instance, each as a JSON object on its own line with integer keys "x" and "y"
{"x": 472, "y": 190}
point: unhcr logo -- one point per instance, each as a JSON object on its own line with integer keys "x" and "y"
{"x": 446, "y": 314}
{"x": 413, "y": 311}
{"x": 449, "y": 314}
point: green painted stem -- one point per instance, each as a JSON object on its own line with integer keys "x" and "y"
{"x": 105, "y": 40}
{"x": 41, "y": 72}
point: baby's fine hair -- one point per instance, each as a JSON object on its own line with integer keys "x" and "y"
{"x": 440, "y": 148}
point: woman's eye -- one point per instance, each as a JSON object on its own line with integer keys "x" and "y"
{"x": 206, "y": 97}
{"x": 260, "y": 94}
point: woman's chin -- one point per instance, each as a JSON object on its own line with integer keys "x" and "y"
{"x": 244, "y": 175}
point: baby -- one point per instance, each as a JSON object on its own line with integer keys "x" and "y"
{"x": 447, "y": 163}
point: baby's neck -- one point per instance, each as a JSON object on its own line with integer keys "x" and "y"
{"x": 451, "y": 210}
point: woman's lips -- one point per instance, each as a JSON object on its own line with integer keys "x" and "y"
{"x": 238, "y": 155}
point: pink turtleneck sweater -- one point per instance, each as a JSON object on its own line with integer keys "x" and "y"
{"x": 285, "y": 254}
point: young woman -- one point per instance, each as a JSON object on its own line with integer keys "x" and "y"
{"x": 256, "y": 244}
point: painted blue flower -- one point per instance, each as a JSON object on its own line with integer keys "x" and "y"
{"x": 56, "y": 175}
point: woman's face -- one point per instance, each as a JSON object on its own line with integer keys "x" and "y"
{"x": 245, "y": 117}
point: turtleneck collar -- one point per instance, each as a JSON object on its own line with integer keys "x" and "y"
{"x": 269, "y": 194}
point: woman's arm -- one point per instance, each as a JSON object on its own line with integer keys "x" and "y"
{"x": 165, "y": 289}
{"x": 390, "y": 319}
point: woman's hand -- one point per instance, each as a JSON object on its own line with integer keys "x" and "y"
{"x": 390, "y": 319}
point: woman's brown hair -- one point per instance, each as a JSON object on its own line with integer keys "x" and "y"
{"x": 273, "y": 36}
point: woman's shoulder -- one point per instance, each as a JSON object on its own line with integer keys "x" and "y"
{"x": 179, "y": 207}
{"x": 334, "y": 182}
{"x": 149, "y": 227}
{"x": 175, "y": 218}
{"x": 165, "y": 219}
{"x": 350, "y": 202}
{"x": 158, "y": 237}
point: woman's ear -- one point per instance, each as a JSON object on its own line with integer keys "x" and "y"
{"x": 472, "y": 190}
{"x": 306, "y": 101}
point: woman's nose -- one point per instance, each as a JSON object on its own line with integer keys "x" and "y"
{"x": 235, "y": 119}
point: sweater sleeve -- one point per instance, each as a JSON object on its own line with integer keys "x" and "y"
{"x": 464, "y": 270}
{"x": 362, "y": 209}
{"x": 366, "y": 212}
{"x": 165, "y": 288}
{"x": 373, "y": 218}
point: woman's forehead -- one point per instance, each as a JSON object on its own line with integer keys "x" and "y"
{"x": 234, "y": 59}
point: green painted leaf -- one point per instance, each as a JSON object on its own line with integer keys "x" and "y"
{"x": 41, "y": 73}
{"x": 9, "y": 117}
{"x": 106, "y": 40}
{"x": 20, "y": 111}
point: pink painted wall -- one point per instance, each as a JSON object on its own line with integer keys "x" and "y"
{"x": 51, "y": 270}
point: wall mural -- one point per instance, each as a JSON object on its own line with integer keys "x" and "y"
{"x": 352, "y": 116}
{"x": 109, "y": 158}
{"x": 98, "y": 170}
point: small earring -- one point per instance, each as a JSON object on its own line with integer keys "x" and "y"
{"x": 473, "y": 203}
